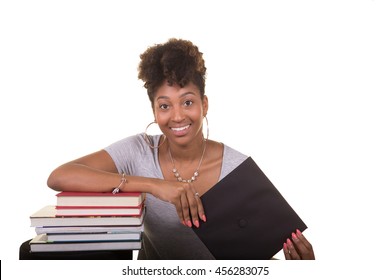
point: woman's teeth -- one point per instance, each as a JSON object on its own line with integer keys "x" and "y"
{"x": 180, "y": 128}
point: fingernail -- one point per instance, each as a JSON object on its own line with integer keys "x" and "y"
{"x": 299, "y": 233}
{"x": 285, "y": 245}
{"x": 289, "y": 242}
{"x": 204, "y": 218}
{"x": 183, "y": 223}
{"x": 196, "y": 223}
{"x": 189, "y": 224}
{"x": 294, "y": 236}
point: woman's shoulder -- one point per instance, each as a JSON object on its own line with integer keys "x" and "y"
{"x": 133, "y": 143}
{"x": 231, "y": 159}
{"x": 231, "y": 153}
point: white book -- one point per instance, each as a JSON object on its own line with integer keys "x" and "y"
{"x": 40, "y": 244}
{"x": 88, "y": 229}
{"x": 98, "y": 236}
{"x": 47, "y": 216}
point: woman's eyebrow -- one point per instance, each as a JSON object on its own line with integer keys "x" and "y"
{"x": 181, "y": 95}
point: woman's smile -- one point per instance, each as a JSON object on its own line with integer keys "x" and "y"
{"x": 180, "y": 131}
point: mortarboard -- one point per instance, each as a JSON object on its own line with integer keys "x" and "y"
{"x": 247, "y": 217}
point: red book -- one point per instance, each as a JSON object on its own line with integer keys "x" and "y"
{"x": 98, "y": 210}
{"x": 99, "y": 199}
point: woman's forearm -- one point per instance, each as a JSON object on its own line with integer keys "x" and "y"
{"x": 79, "y": 177}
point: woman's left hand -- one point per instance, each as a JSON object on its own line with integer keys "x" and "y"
{"x": 298, "y": 248}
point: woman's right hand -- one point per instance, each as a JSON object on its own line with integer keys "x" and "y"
{"x": 186, "y": 200}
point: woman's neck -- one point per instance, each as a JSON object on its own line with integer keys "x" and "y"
{"x": 187, "y": 153}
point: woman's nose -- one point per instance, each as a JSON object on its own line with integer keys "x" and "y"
{"x": 177, "y": 115}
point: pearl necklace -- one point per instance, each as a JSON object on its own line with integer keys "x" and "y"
{"x": 196, "y": 173}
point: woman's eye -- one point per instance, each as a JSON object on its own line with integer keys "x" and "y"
{"x": 188, "y": 103}
{"x": 164, "y": 106}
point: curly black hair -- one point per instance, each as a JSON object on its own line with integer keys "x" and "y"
{"x": 177, "y": 61}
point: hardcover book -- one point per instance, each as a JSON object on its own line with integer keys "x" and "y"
{"x": 121, "y": 199}
{"x": 40, "y": 244}
{"x": 47, "y": 216}
{"x": 93, "y": 236}
{"x": 87, "y": 229}
{"x": 98, "y": 211}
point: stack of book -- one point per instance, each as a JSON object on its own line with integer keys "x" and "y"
{"x": 82, "y": 221}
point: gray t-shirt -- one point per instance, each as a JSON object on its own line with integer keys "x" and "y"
{"x": 164, "y": 236}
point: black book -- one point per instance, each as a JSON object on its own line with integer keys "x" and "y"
{"x": 247, "y": 217}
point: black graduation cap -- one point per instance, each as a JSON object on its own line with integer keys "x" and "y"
{"x": 247, "y": 217}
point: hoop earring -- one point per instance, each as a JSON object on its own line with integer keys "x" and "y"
{"x": 207, "y": 127}
{"x": 147, "y": 137}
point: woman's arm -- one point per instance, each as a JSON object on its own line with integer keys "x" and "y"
{"x": 97, "y": 173}
{"x": 93, "y": 173}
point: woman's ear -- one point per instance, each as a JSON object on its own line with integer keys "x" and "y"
{"x": 205, "y": 105}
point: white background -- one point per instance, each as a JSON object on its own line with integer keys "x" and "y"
{"x": 301, "y": 86}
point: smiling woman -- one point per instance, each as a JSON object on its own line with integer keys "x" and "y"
{"x": 175, "y": 168}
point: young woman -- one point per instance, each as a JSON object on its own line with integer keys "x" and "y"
{"x": 174, "y": 168}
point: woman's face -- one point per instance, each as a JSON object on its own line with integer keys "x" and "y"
{"x": 179, "y": 112}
